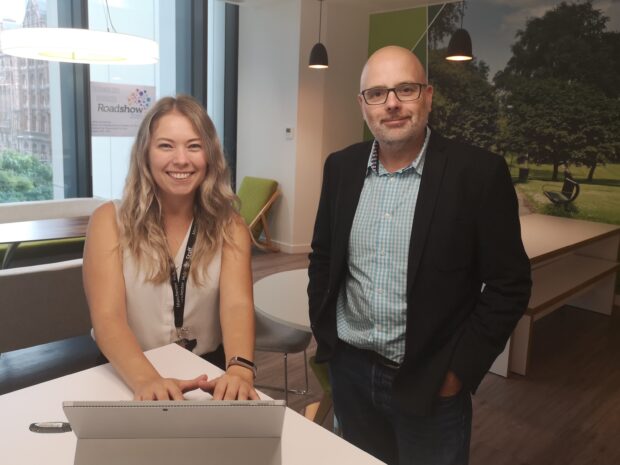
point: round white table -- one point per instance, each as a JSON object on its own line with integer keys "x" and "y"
{"x": 283, "y": 297}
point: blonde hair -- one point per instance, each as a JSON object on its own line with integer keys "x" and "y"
{"x": 140, "y": 214}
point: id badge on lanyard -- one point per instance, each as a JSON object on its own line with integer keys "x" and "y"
{"x": 179, "y": 287}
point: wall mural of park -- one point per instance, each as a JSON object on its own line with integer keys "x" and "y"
{"x": 543, "y": 91}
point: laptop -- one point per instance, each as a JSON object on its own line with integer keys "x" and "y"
{"x": 188, "y": 432}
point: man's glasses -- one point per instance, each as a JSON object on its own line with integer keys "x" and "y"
{"x": 404, "y": 92}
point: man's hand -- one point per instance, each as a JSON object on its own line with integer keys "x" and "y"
{"x": 451, "y": 385}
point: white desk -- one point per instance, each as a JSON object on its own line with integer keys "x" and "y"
{"x": 303, "y": 442}
{"x": 574, "y": 262}
{"x": 283, "y": 297}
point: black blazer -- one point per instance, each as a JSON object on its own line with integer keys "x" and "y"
{"x": 465, "y": 232}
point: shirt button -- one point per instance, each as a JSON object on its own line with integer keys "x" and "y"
{"x": 382, "y": 252}
{"x": 388, "y": 215}
{"x": 379, "y": 291}
{"x": 378, "y": 327}
{"x": 391, "y": 178}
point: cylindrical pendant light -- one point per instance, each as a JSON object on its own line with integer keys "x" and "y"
{"x": 459, "y": 48}
{"x": 73, "y": 45}
{"x": 318, "y": 55}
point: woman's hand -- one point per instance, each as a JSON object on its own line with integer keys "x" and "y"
{"x": 236, "y": 384}
{"x": 167, "y": 388}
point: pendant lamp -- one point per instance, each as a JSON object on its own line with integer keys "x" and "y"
{"x": 318, "y": 55}
{"x": 459, "y": 47}
{"x": 74, "y": 45}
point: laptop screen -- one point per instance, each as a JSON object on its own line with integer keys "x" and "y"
{"x": 176, "y": 419}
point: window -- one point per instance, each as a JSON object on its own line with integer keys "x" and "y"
{"x": 25, "y": 145}
{"x": 153, "y": 19}
{"x": 45, "y": 106}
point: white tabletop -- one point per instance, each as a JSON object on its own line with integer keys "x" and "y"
{"x": 545, "y": 236}
{"x": 303, "y": 442}
{"x": 283, "y": 297}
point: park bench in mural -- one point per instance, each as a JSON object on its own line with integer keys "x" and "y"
{"x": 568, "y": 193}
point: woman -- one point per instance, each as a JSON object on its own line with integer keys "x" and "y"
{"x": 177, "y": 213}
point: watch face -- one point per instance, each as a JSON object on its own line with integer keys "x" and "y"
{"x": 245, "y": 360}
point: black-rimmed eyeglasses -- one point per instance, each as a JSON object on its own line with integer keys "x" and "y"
{"x": 404, "y": 92}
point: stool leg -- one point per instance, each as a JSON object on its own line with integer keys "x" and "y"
{"x": 286, "y": 388}
{"x": 306, "y": 372}
{"x": 286, "y": 378}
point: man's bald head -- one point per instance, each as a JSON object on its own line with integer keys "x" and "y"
{"x": 391, "y": 56}
{"x": 398, "y": 123}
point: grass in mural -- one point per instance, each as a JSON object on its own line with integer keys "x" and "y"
{"x": 597, "y": 201}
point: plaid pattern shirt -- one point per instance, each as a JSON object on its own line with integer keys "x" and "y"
{"x": 372, "y": 303}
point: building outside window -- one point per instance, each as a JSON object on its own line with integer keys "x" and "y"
{"x": 26, "y": 165}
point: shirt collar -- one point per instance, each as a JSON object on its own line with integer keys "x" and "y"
{"x": 374, "y": 165}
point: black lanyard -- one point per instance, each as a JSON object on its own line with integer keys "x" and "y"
{"x": 179, "y": 283}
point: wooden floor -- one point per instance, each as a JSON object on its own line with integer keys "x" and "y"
{"x": 566, "y": 411}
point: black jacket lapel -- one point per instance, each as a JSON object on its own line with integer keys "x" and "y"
{"x": 432, "y": 176}
{"x": 350, "y": 184}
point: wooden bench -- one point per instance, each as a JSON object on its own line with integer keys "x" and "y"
{"x": 37, "y": 252}
{"x": 41, "y": 304}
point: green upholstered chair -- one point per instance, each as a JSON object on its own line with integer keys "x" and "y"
{"x": 257, "y": 195}
{"x": 39, "y": 252}
{"x": 325, "y": 404}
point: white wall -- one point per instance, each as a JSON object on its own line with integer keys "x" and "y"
{"x": 310, "y": 117}
{"x": 275, "y": 39}
{"x": 348, "y": 50}
{"x": 267, "y": 96}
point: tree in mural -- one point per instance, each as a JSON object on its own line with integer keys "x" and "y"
{"x": 464, "y": 102}
{"x": 568, "y": 43}
{"x": 560, "y": 89}
{"x": 445, "y": 24}
{"x": 557, "y": 122}
{"x": 24, "y": 177}
{"x": 599, "y": 137}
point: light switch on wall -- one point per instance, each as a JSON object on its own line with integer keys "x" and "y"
{"x": 289, "y": 133}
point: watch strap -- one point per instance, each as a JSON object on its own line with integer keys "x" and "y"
{"x": 242, "y": 362}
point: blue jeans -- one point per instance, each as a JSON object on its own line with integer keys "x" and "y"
{"x": 362, "y": 393}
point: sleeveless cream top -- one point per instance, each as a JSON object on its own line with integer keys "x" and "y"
{"x": 149, "y": 305}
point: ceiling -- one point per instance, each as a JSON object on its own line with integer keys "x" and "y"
{"x": 370, "y": 5}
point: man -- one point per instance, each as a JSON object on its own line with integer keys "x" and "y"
{"x": 417, "y": 273}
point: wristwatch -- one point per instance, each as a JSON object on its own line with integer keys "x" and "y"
{"x": 243, "y": 362}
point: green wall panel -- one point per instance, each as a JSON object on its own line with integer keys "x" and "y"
{"x": 402, "y": 28}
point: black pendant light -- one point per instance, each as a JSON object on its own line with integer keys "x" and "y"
{"x": 318, "y": 55}
{"x": 459, "y": 48}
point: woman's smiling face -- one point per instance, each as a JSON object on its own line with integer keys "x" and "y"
{"x": 177, "y": 157}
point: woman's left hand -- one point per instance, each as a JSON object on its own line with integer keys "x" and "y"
{"x": 236, "y": 384}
